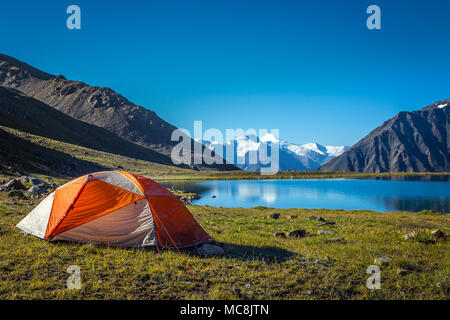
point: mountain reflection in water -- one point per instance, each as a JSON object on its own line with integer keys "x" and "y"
{"x": 409, "y": 193}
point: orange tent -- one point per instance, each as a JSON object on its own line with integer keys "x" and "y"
{"x": 115, "y": 208}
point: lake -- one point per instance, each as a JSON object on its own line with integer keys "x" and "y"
{"x": 380, "y": 194}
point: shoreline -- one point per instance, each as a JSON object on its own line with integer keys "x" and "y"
{"x": 249, "y": 175}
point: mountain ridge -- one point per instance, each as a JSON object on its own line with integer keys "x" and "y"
{"x": 27, "y": 114}
{"x": 99, "y": 106}
{"x": 415, "y": 141}
{"x": 96, "y": 105}
{"x": 305, "y": 157}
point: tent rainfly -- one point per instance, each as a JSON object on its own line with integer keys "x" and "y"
{"x": 115, "y": 208}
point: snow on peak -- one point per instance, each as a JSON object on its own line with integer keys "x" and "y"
{"x": 442, "y": 106}
{"x": 311, "y": 148}
{"x": 308, "y": 156}
{"x": 314, "y": 146}
{"x": 245, "y": 146}
{"x": 268, "y": 137}
{"x": 335, "y": 151}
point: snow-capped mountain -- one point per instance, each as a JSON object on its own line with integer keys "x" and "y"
{"x": 309, "y": 156}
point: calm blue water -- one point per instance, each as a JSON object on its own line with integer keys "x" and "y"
{"x": 411, "y": 193}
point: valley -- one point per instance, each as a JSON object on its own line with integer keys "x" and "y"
{"x": 55, "y": 129}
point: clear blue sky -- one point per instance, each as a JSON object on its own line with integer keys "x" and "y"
{"x": 309, "y": 68}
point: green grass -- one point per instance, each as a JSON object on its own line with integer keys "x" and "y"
{"x": 256, "y": 265}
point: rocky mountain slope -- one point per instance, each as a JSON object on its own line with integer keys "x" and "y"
{"x": 26, "y": 114}
{"x": 19, "y": 156}
{"x": 98, "y": 106}
{"x": 306, "y": 157}
{"x": 417, "y": 141}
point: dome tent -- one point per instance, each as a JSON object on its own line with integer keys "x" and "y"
{"x": 115, "y": 208}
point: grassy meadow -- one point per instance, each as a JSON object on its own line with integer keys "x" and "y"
{"x": 256, "y": 264}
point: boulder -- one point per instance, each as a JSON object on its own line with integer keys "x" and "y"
{"x": 36, "y": 181}
{"x": 209, "y": 250}
{"x": 326, "y": 231}
{"x": 37, "y": 190}
{"x": 280, "y": 234}
{"x": 438, "y": 235}
{"x": 316, "y": 218}
{"x": 293, "y": 217}
{"x": 14, "y": 184}
{"x": 411, "y": 235}
{"x": 17, "y": 194}
{"x": 185, "y": 199}
{"x": 402, "y": 272}
{"x": 274, "y": 216}
{"x": 24, "y": 179}
{"x": 383, "y": 261}
{"x": 299, "y": 233}
{"x": 326, "y": 223}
